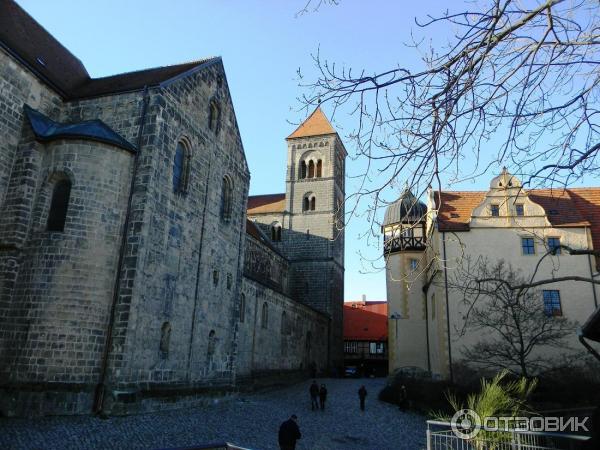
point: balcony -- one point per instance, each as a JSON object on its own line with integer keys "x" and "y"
{"x": 402, "y": 243}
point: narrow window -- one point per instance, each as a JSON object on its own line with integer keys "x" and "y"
{"x": 303, "y": 170}
{"x": 59, "y": 206}
{"x": 276, "y": 232}
{"x": 305, "y": 204}
{"x": 212, "y": 343}
{"x": 319, "y": 168}
{"x": 528, "y": 246}
{"x": 242, "y": 308}
{"x": 311, "y": 169}
{"x": 313, "y": 203}
{"x": 552, "y": 305}
{"x": 229, "y": 281}
{"x": 214, "y": 116}
{"x": 180, "y": 168}
{"x": 414, "y": 264}
{"x": 495, "y": 210}
{"x": 433, "y": 307}
{"x": 265, "y": 315}
{"x": 283, "y": 323}
{"x": 227, "y": 199}
{"x": 554, "y": 245}
{"x": 519, "y": 210}
{"x": 215, "y": 277}
{"x": 165, "y": 339}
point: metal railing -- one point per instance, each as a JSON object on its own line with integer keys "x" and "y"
{"x": 440, "y": 436}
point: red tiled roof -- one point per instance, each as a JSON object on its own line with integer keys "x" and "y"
{"x": 315, "y": 125}
{"x": 269, "y": 203}
{"x": 29, "y": 42}
{"x": 365, "y": 321}
{"x": 574, "y": 207}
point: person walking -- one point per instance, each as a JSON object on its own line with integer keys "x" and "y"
{"x": 322, "y": 396}
{"x": 289, "y": 433}
{"x": 362, "y": 395}
{"x": 314, "y": 395}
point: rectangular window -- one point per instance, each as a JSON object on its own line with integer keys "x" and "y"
{"x": 552, "y": 303}
{"x": 519, "y": 210}
{"x": 414, "y": 264}
{"x": 376, "y": 348}
{"x": 495, "y": 210}
{"x": 554, "y": 245}
{"x": 350, "y": 347}
{"x": 528, "y": 246}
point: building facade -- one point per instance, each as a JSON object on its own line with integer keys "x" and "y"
{"x": 428, "y": 247}
{"x": 366, "y": 338}
{"x": 128, "y": 270}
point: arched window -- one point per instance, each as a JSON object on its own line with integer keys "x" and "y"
{"x": 276, "y": 232}
{"x": 319, "y": 168}
{"x": 283, "y": 323}
{"x": 165, "y": 339}
{"x": 265, "y": 315}
{"x": 214, "y": 116}
{"x": 59, "y": 206}
{"x": 313, "y": 203}
{"x": 242, "y": 308}
{"x": 305, "y": 204}
{"x": 212, "y": 343}
{"x": 311, "y": 169}
{"x": 227, "y": 199}
{"x": 303, "y": 169}
{"x": 181, "y": 165}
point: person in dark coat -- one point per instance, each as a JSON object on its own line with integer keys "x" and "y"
{"x": 289, "y": 433}
{"x": 322, "y": 396}
{"x": 314, "y": 395}
{"x": 362, "y": 395}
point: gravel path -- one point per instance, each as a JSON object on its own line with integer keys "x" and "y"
{"x": 251, "y": 421}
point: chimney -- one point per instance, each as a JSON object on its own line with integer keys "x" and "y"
{"x": 364, "y": 299}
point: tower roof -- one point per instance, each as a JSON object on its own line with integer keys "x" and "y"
{"x": 315, "y": 125}
{"x": 407, "y": 208}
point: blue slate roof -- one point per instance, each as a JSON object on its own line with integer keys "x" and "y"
{"x": 46, "y": 129}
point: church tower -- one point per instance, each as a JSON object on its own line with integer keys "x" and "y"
{"x": 315, "y": 204}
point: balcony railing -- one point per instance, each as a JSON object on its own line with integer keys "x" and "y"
{"x": 401, "y": 243}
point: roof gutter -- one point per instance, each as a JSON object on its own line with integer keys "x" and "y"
{"x": 101, "y": 386}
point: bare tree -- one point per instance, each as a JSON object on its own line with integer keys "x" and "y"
{"x": 516, "y": 327}
{"x": 525, "y": 74}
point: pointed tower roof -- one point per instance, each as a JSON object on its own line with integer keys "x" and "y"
{"x": 315, "y": 125}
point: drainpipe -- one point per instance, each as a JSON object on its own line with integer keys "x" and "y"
{"x": 100, "y": 387}
{"x": 189, "y": 365}
{"x": 447, "y": 308}
{"x": 427, "y": 334}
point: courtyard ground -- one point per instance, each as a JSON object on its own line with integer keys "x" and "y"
{"x": 249, "y": 421}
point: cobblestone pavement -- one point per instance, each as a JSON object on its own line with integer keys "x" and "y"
{"x": 250, "y": 421}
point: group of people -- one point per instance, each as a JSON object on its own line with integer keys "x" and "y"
{"x": 289, "y": 432}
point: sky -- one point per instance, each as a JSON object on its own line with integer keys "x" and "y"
{"x": 264, "y": 45}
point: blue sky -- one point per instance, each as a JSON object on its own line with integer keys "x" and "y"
{"x": 263, "y": 44}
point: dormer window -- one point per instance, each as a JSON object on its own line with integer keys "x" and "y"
{"x": 519, "y": 210}
{"x": 495, "y": 210}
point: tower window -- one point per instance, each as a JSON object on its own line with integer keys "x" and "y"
{"x": 495, "y": 210}
{"x": 319, "y": 168}
{"x": 414, "y": 264}
{"x": 229, "y": 281}
{"x": 215, "y": 277}
{"x": 212, "y": 344}
{"x": 59, "y": 205}
{"x": 276, "y": 232}
{"x": 305, "y": 204}
{"x": 227, "y": 199}
{"x": 313, "y": 202}
{"x": 303, "y": 169}
{"x": 181, "y": 168}
{"x": 311, "y": 169}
